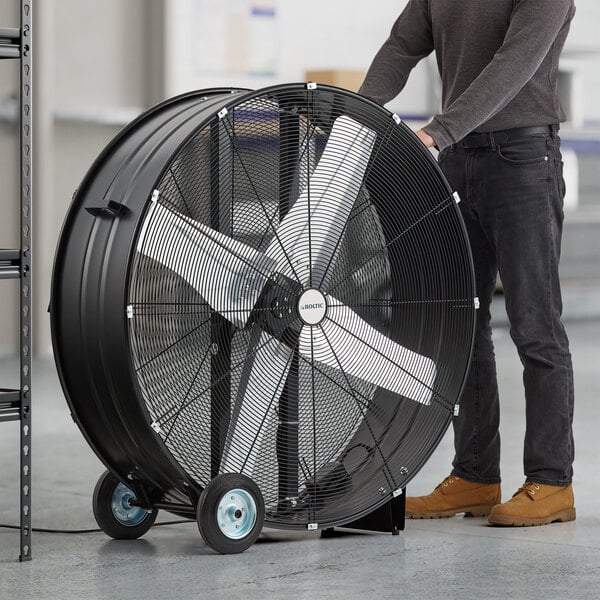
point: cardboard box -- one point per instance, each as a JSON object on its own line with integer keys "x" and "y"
{"x": 349, "y": 79}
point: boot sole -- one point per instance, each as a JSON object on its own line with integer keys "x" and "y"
{"x": 562, "y": 516}
{"x": 482, "y": 510}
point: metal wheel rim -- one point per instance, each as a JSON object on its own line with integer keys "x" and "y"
{"x": 122, "y": 508}
{"x": 236, "y": 514}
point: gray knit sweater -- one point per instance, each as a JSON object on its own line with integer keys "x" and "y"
{"x": 498, "y": 60}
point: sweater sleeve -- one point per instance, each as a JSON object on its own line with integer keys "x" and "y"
{"x": 410, "y": 40}
{"x": 534, "y": 26}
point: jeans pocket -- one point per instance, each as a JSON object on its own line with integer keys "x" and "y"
{"x": 443, "y": 154}
{"x": 524, "y": 151}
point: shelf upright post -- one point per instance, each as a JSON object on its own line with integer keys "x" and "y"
{"x": 26, "y": 295}
{"x": 15, "y": 404}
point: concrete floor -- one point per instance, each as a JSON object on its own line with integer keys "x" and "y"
{"x": 450, "y": 558}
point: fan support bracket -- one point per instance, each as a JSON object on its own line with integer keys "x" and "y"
{"x": 389, "y": 518}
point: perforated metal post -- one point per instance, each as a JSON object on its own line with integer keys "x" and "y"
{"x": 26, "y": 279}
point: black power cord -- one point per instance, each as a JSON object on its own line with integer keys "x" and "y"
{"x": 78, "y": 531}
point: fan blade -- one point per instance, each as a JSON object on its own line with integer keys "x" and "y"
{"x": 228, "y": 274}
{"x": 307, "y": 239}
{"x": 345, "y": 341}
{"x": 263, "y": 378}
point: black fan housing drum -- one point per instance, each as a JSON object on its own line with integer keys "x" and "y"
{"x": 263, "y": 305}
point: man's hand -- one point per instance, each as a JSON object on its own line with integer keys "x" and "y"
{"x": 426, "y": 138}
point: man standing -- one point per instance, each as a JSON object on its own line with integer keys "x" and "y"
{"x": 499, "y": 148}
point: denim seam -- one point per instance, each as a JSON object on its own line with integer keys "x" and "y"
{"x": 551, "y": 266}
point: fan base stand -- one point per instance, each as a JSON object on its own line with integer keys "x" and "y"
{"x": 389, "y": 518}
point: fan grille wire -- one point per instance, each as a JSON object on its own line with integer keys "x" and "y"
{"x": 402, "y": 266}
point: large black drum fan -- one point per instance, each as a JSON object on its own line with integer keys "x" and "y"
{"x": 262, "y": 312}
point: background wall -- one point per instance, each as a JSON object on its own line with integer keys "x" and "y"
{"x": 582, "y": 52}
{"x": 9, "y": 188}
{"x": 308, "y": 35}
{"x": 98, "y": 64}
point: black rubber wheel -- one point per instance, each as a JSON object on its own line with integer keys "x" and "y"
{"x": 230, "y": 513}
{"x": 114, "y": 513}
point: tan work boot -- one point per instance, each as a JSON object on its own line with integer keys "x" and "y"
{"x": 535, "y": 504}
{"x": 454, "y": 495}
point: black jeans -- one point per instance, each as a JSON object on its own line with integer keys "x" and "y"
{"x": 512, "y": 204}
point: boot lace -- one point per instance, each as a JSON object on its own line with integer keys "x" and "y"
{"x": 529, "y": 487}
{"x": 448, "y": 481}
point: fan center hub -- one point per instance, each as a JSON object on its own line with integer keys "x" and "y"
{"x": 312, "y": 306}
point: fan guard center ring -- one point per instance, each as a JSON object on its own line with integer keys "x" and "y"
{"x": 312, "y": 306}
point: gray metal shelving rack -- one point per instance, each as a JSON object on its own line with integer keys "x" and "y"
{"x": 15, "y": 405}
